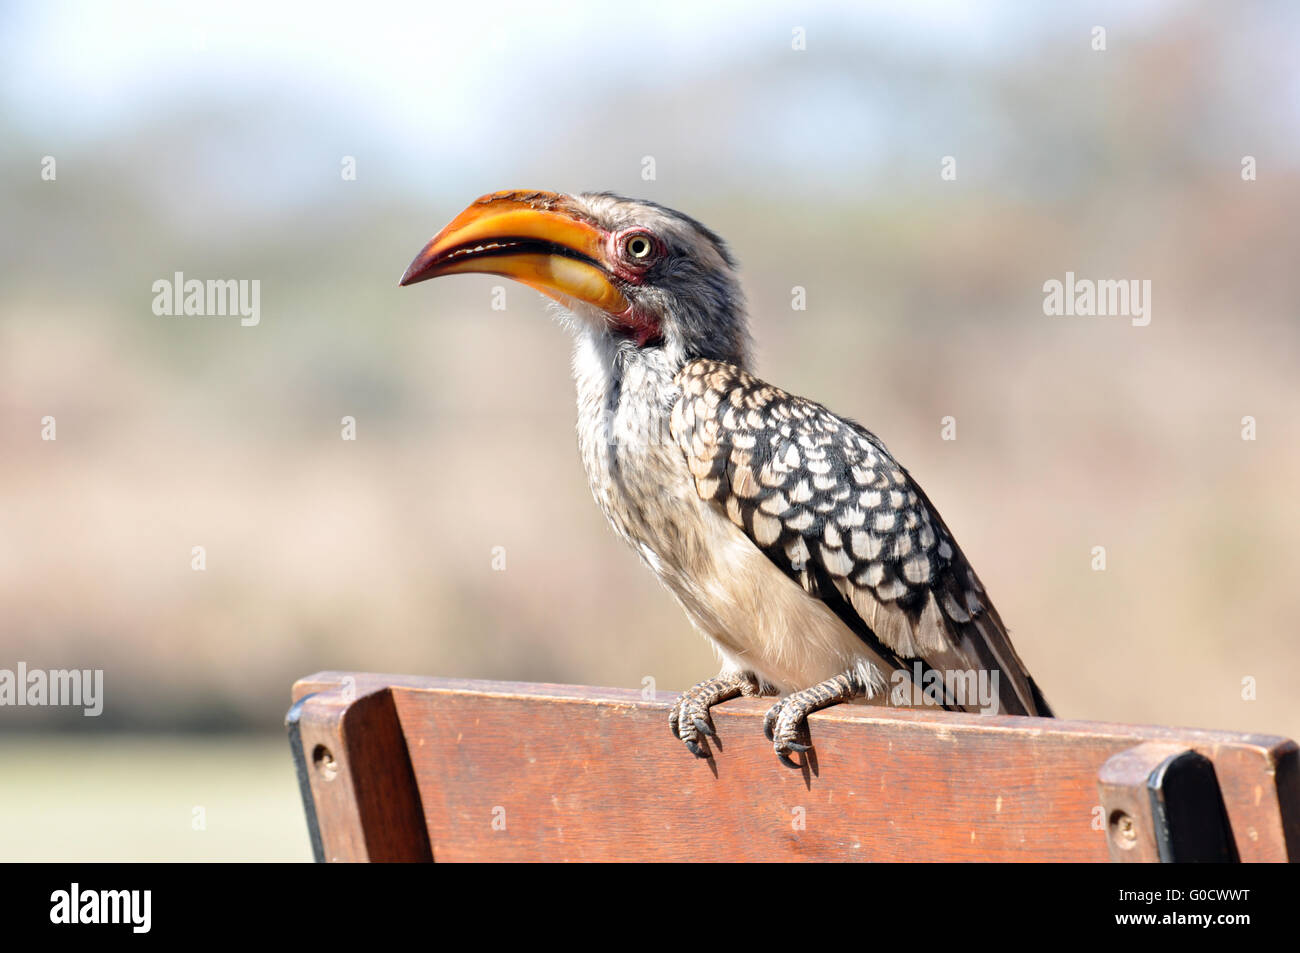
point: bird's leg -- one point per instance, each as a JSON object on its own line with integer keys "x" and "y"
{"x": 787, "y": 718}
{"x": 689, "y": 717}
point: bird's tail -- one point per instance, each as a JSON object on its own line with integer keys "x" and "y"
{"x": 1018, "y": 693}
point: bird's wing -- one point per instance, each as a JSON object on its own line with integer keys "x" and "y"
{"x": 826, "y": 502}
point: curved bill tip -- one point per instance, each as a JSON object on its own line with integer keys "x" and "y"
{"x": 421, "y": 267}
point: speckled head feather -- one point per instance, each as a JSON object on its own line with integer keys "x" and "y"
{"x": 693, "y": 290}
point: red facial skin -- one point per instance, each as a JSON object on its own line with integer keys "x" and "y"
{"x": 640, "y": 327}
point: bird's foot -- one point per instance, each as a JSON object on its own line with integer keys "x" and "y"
{"x": 786, "y": 721}
{"x": 689, "y": 717}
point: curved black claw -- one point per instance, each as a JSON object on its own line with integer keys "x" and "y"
{"x": 783, "y": 724}
{"x": 788, "y": 718}
{"x": 689, "y": 717}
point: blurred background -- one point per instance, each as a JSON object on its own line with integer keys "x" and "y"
{"x": 213, "y": 140}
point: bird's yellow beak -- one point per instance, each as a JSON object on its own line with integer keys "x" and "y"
{"x": 533, "y": 237}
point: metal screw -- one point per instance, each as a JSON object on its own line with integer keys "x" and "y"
{"x": 323, "y": 759}
{"x": 1123, "y": 830}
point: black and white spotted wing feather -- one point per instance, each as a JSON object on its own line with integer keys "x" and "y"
{"x": 829, "y": 505}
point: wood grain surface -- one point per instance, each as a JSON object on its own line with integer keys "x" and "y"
{"x": 504, "y": 771}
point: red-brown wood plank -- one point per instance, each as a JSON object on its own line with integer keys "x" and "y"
{"x": 570, "y": 773}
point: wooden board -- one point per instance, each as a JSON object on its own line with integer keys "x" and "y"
{"x": 506, "y": 771}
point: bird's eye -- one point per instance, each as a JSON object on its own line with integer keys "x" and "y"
{"x": 639, "y": 247}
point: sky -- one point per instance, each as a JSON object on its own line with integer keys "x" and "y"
{"x": 428, "y": 82}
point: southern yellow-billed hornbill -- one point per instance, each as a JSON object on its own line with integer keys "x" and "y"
{"x": 806, "y": 554}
